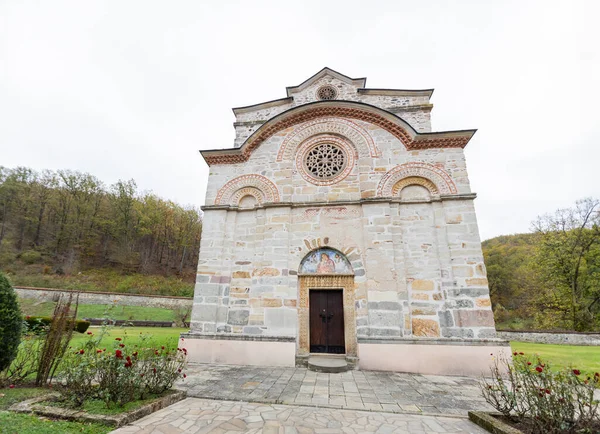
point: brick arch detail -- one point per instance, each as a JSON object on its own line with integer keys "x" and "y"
{"x": 391, "y": 182}
{"x": 373, "y": 115}
{"x": 346, "y": 128}
{"x": 254, "y": 184}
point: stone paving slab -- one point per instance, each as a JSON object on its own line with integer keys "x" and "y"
{"x": 357, "y": 390}
{"x": 200, "y": 416}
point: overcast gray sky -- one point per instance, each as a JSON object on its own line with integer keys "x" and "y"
{"x": 133, "y": 89}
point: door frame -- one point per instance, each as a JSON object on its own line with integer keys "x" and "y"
{"x": 324, "y": 282}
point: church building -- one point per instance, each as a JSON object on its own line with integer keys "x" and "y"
{"x": 339, "y": 225}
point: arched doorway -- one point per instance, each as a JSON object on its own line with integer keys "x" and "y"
{"x": 326, "y": 311}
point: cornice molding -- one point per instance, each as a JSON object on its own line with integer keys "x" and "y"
{"x": 386, "y": 120}
{"x": 371, "y": 200}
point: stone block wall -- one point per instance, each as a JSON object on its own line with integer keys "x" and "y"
{"x": 46, "y": 294}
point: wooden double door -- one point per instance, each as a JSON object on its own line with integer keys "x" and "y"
{"x": 326, "y": 321}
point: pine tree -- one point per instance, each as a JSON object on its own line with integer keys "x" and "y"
{"x": 11, "y": 322}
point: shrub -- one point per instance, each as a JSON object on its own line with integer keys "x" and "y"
{"x": 530, "y": 392}
{"x": 119, "y": 374}
{"x": 38, "y": 324}
{"x": 26, "y": 362}
{"x": 30, "y": 257}
{"x": 11, "y": 323}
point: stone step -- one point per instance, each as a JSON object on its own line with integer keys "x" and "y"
{"x": 330, "y": 365}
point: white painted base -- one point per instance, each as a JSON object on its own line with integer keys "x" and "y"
{"x": 467, "y": 360}
{"x": 232, "y": 352}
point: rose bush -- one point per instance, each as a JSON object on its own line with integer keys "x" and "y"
{"x": 119, "y": 373}
{"x": 528, "y": 391}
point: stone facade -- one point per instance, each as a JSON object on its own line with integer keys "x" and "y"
{"x": 400, "y": 210}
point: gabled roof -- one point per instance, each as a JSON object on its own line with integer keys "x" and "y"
{"x": 358, "y": 82}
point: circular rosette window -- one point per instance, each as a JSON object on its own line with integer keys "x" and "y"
{"x": 325, "y": 160}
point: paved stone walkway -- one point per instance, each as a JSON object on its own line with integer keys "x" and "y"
{"x": 355, "y": 390}
{"x": 199, "y": 416}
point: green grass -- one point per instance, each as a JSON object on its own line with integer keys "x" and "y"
{"x": 13, "y": 423}
{"x": 167, "y": 336}
{"x": 9, "y": 396}
{"x": 584, "y": 358}
{"x": 97, "y": 406}
{"x": 36, "y": 308}
{"x": 104, "y": 280}
{"x": 29, "y": 424}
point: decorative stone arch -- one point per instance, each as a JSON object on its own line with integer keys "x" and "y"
{"x": 354, "y": 133}
{"x": 414, "y": 180}
{"x": 349, "y": 110}
{"x": 257, "y": 186}
{"x": 436, "y": 180}
{"x": 308, "y": 280}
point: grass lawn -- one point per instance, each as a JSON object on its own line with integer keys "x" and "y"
{"x": 167, "y": 336}
{"x": 585, "y": 358}
{"x": 35, "y": 308}
{"x": 29, "y": 424}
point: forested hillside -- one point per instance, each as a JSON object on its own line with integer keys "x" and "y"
{"x": 550, "y": 278}
{"x": 67, "y": 223}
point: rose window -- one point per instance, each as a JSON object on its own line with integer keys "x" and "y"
{"x": 325, "y": 160}
{"x": 326, "y": 92}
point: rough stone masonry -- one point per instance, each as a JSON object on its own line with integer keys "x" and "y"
{"x": 340, "y": 187}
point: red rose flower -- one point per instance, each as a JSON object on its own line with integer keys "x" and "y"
{"x": 156, "y": 352}
{"x": 89, "y": 333}
{"x": 134, "y": 354}
{"x": 528, "y": 363}
{"x": 81, "y": 351}
{"x": 184, "y": 376}
{"x": 522, "y": 354}
{"x": 576, "y": 371}
{"x": 118, "y": 339}
{"x": 122, "y": 345}
{"x": 162, "y": 348}
{"x": 119, "y": 354}
{"x": 154, "y": 370}
{"x": 539, "y": 368}
{"x": 98, "y": 351}
{"x": 515, "y": 353}
{"x": 12, "y": 386}
{"x": 548, "y": 391}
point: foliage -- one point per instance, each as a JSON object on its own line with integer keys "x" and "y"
{"x": 71, "y": 222}
{"x": 10, "y": 323}
{"x": 123, "y": 372}
{"x": 530, "y": 392}
{"x": 569, "y": 259}
{"x": 27, "y": 361}
{"x": 41, "y": 324}
{"x": 56, "y": 339}
{"x": 549, "y": 279}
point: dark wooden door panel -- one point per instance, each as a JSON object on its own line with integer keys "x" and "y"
{"x": 326, "y": 313}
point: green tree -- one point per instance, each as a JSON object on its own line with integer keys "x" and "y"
{"x": 569, "y": 260}
{"x": 11, "y": 322}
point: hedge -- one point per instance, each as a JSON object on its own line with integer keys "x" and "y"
{"x": 38, "y": 323}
